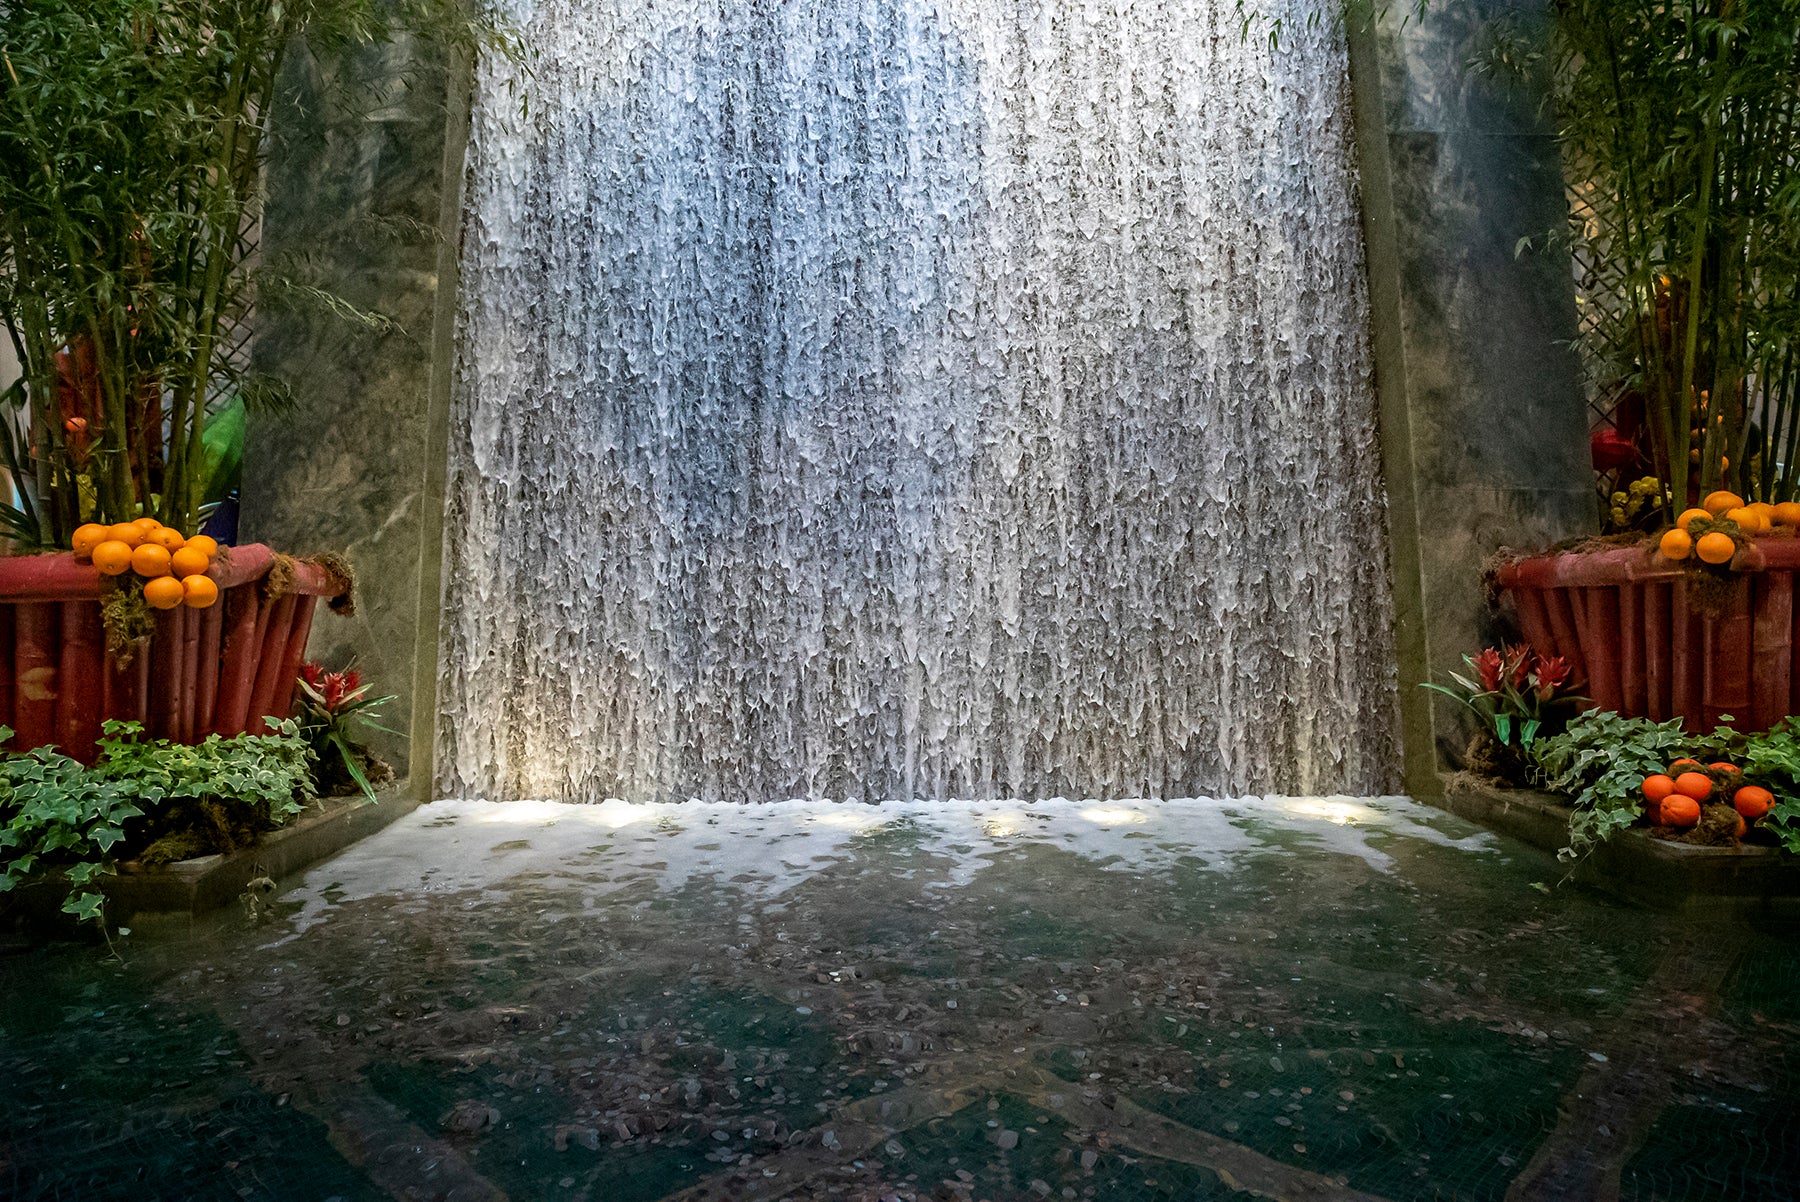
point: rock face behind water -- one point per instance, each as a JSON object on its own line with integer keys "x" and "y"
{"x": 907, "y": 398}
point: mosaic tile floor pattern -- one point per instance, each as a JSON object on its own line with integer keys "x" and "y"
{"x": 1128, "y": 1001}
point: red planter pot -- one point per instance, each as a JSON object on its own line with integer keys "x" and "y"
{"x": 221, "y": 669}
{"x": 1624, "y": 620}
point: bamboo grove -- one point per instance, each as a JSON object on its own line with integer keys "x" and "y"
{"x": 132, "y": 142}
{"x": 1677, "y": 124}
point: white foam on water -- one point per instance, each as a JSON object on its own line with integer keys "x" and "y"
{"x": 763, "y": 851}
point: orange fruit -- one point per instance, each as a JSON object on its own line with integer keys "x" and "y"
{"x": 198, "y": 592}
{"x": 166, "y": 537}
{"x": 1742, "y": 826}
{"x": 86, "y": 538}
{"x": 188, "y": 562}
{"x": 1689, "y": 515}
{"x": 1765, "y": 511}
{"x": 1722, "y": 766}
{"x": 1678, "y": 810}
{"x": 125, "y": 532}
{"x": 1747, "y": 519}
{"x": 1718, "y": 502}
{"x": 1788, "y": 513}
{"x": 208, "y": 546}
{"x": 1676, "y": 544}
{"x": 1696, "y": 785}
{"x": 146, "y": 524}
{"x": 1657, "y": 787}
{"x": 1680, "y": 764}
{"x": 1715, "y": 548}
{"x": 112, "y": 557}
{"x": 165, "y": 592}
{"x": 150, "y": 560}
{"x": 1752, "y": 802}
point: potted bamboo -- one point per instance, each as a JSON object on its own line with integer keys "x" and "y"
{"x": 1679, "y": 136}
{"x": 132, "y": 140}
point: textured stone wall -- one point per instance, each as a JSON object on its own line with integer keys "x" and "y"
{"x": 355, "y": 207}
{"x": 1484, "y": 424}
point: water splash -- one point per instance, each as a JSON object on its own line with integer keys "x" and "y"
{"x": 901, "y": 398}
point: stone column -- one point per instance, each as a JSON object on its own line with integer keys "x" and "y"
{"x": 1483, "y": 421}
{"x": 364, "y": 204}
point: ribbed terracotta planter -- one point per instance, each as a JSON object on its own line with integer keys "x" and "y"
{"x": 221, "y": 669}
{"x": 1626, "y": 622}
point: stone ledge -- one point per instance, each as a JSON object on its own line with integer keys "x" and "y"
{"x": 1747, "y": 880}
{"x": 176, "y": 894}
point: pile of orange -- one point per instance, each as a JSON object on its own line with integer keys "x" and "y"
{"x": 1708, "y": 530}
{"x": 173, "y": 566}
{"x": 1674, "y": 798}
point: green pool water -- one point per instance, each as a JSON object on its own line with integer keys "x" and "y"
{"x": 1329, "y": 998}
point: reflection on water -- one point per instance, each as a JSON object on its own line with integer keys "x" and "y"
{"x": 1118, "y": 1000}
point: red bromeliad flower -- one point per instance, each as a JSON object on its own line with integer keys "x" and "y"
{"x": 1491, "y": 668}
{"x": 1518, "y": 665}
{"x": 330, "y": 691}
{"x": 1549, "y": 674}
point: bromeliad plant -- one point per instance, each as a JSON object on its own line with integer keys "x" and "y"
{"x": 334, "y": 705}
{"x": 1513, "y": 692}
{"x": 132, "y": 140}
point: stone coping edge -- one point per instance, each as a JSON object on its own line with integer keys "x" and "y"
{"x": 181, "y": 892}
{"x": 1748, "y": 881}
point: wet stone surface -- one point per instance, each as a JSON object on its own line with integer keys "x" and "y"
{"x": 956, "y": 1001}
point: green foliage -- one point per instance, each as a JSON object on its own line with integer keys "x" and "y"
{"x": 132, "y": 141}
{"x": 54, "y": 811}
{"x": 263, "y": 772}
{"x": 1601, "y": 761}
{"x": 1678, "y": 129}
{"x": 1772, "y": 760}
{"x": 57, "y": 813}
{"x": 334, "y": 707}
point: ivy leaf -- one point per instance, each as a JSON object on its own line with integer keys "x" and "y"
{"x": 84, "y": 905}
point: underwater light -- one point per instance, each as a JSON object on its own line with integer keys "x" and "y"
{"x": 1340, "y": 812}
{"x": 847, "y": 819}
{"x": 1003, "y": 826}
{"x": 1112, "y": 816}
{"x": 618, "y": 814}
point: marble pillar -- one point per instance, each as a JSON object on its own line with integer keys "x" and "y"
{"x": 1484, "y": 425}
{"x": 364, "y": 181}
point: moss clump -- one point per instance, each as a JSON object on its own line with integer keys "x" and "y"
{"x": 280, "y": 580}
{"x": 127, "y": 619}
{"x": 179, "y": 845}
{"x": 343, "y": 578}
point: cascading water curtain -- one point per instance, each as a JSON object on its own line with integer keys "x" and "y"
{"x": 914, "y": 398}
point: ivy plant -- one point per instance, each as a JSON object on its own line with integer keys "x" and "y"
{"x": 1773, "y": 761}
{"x": 1601, "y": 761}
{"x": 56, "y": 813}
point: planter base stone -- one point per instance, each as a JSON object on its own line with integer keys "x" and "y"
{"x": 1747, "y": 881}
{"x": 175, "y": 895}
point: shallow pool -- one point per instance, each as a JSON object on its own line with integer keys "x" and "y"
{"x": 1121, "y": 1000}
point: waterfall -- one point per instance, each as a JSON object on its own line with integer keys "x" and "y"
{"x": 914, "y": 398}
